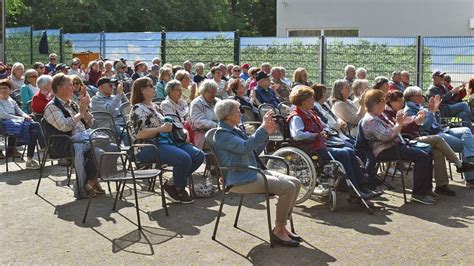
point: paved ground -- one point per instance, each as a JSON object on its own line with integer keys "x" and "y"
{"x": 47, "y": 229}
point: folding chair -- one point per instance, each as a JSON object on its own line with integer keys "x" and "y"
{"x": 210, "y": 140}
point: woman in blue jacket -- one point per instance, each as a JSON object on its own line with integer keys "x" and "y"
{"x": 234, "y": 148}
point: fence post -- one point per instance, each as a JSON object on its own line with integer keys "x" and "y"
{"x": 237, "y": 47}
{"x": 61, "y": 48}
{"x": 419, "y": 62}
{"x": 31, "y": 45}
{"x": 163, "y": 47}
{"x": 322, "y": 58}
{"x": 102, "y": 45}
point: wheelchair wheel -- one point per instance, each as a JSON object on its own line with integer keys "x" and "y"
{"x": 301, "y": 167}
{"x": 332, "y": 200}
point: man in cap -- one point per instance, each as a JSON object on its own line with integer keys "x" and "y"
{"x": 121, "y": 69}
{"x": 447, "y": 108}
{"x": 245, "y": 72}
{"x": 140, "y": 69}
{"x": 104, "y": 101}
{"x": 61, "y": 68}
{"x": 263, "y": 91}
{"x": 154, "y": 74}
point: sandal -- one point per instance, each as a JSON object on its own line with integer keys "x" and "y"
{"x": 98, "y": 189}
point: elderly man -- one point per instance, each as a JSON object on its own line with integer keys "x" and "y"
{"x": 104, "y": 101}
{"x": 65, "y": 117}
{"x": 154, "y": 74}
{"x": 263, "y": 92}
{"x": 396, "y": 82}
{"x": 199, "y": 77}
{"x": 350, "y": 73}
{"x": 266, "y": 67}
{"x": 245, "y": 72}
{"x": 50, "y": 67}
{"x": 405, "y": 78}
{"x": 460, "y": 139}
{"x": 188, "y": 66}
{"x": 448, "y": 107}
{"x": 280, "y": 87}
{"x": 121, "y": 69}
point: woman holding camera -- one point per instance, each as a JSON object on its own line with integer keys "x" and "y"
{"x": 149, "y": 124}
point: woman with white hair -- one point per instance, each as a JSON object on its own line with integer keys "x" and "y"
{"x": 16, "y": 76}
{"x": 343, "y": 107}
{"x": 43, "y": 95}
{"x": 28, "y": 89}
{"x": 174, "y": 104}
{"x": 108, "y": 71}
{"x": 361, "y": 73}
{"x": 233, "y": 147}
{"x": 200, "y": 76}
{"x": 189, "y": 90}
{"x": 202, "y": 116}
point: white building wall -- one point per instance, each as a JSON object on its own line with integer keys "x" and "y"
{"x": 378, "y": 17}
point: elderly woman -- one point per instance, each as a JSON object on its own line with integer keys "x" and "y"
{"x": 16, "y": 76}
{"x": 19, "y": 124}
{"x": 460, "y": 139}
{"x": 359, "y": 86}
{"x": 165, "y": 76}
{"x": 174, "y": 104}
{"x": 39, "y": 67}
{"x": 386, "y": 145}
{"x": 381, "y": 83}
{"x": 310, "y": 135}
{"x": 200, "y": 76}
{"x": 441, "y": 150}
{"x": 238, "y": 88}
{"x": 149, "y": 124}
{"x": 343, "y": 107}
{"x": 94, "y": 73}
{"x": 233, "y": 147}
{"x": 78, "y": 87}
{"x": 202, "y": 116}
{"x": 189, "y": 90}
{"x": 361, "y": 73}
{"x": 28, "y": 89}
{"x": 223, "y": 91}
{"x": 300, "y": 77}
{"x": 327, "y": 116}
{"x": 43, "y": 96}
{"x": 108, "y": 71}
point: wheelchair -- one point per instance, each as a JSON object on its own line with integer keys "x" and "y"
{"x": 312, "y": 171}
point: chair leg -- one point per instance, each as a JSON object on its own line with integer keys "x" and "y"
{"x": 450, "y": 171}
{"x": 403, "y": 187}
{"x": 87, "y": 209}
{"x": 238, "y": 210}
{"x": 108, "y": 186}
{"x": 42, "y": 164}
{"x": 121, "y": 191}
{"x": 218, "y": 215}
{"x": 163, "y": 198}
{"x": 136, "y": 205}
{"x": 269, "y": 221}
{"x": 68, "y": 175}
{"x": 292, "y": 226}
{"x": 191, "y": 186}
{"x": 117, "y": 195}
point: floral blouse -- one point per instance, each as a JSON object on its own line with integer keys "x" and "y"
{"x": 142, "y": 116}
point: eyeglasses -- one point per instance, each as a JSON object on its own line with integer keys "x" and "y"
{"x": 76, "y": 83}
{"x": 52, "y": 59}
{"x": 41, "y": 67}
{"x": 236, "y": 70}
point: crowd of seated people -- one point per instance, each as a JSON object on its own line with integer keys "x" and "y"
{"x": 392, "y": 114}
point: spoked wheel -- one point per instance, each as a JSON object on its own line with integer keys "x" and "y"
{"x": 332, "y": 200}
{"x": 301, "y": 167}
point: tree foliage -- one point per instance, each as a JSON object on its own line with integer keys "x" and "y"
{"x": 251, "y": 17}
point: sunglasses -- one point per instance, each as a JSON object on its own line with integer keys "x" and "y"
{"x": 52, "y": 59}
{"x": 41, "y": 67}
{"x": 236, "y": 70}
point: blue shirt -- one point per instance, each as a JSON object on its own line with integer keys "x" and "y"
{"x": 430, "y": 123}
{"x": 267, "y": 96}
{"x": 234, "y": 148}
{"x": 244, "y": 76}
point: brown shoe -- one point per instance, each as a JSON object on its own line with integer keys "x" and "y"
{"x": 171, "y": 190}
{"x": 90, "y": 190}
{"x": 13, "y": 152}
{"x": 184, "y": 196}
{"x": 98, "y": 189}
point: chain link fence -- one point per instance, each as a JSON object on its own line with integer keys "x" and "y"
{"x": 323, "y": 57}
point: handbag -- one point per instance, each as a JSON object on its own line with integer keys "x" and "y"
{"x": 177, "y": 133}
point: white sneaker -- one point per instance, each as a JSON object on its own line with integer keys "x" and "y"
{"x": 32, "y": 164}
{"x": 320, "y": 190}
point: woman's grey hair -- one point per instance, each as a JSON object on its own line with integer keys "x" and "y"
{"x": 28, "y": 74}
{"x": 109, "y": 63}
{"x": 357, "y": 84}
{"x": 43, "y": 80}
{"x": 199, "y": 65}
{"x": 181, "y": 74}
{"x": 17, "y": 65}
{"x": 225, "y": 108}
{"x": 206, "y": 85}
{"x": 411, "y": 91}
{"x": 379, "y": 81}
{"x": 171, "y": 85}
{"x": 361, "y": 70}
{"x": 349, "y": 67}
{"x": 336, "y": 90}
{"x": 165, "y": 70}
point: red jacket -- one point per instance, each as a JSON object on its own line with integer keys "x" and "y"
{"x": 39, "y": 102}
{"x": 311, "y": 124}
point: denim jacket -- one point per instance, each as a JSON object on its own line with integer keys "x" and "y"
{"x": 430, "y": 123}
{"x": 234, "y": 148}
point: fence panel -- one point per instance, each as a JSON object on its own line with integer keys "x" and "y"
{"x": 54, "y": 44}
{"x": 81, "y": 42}
{"x": 454, "y": 55}
{"x": 132, "y": 46}
{"x": 18, "y": 45}
{"x": 205, "y": 47}
{"x": 380, "y": 56}
{"x": 289, "y": 53}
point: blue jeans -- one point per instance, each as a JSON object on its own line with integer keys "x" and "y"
{"x": 460, "y": 139}
{"x": 349, "y": 160}
{"x": 460, "y": 110}
{"x": 185, "y": 160}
